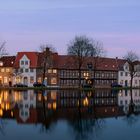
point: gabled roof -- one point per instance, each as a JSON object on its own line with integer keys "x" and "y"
{"x": 32, "y": 56}
{"x": 8, "y": 61}
{"x": 101, "y": 63}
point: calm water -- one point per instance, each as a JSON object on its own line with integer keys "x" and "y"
{"x": 70, "y": 115}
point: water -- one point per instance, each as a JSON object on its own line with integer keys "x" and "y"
{"x": 70, "y": 115}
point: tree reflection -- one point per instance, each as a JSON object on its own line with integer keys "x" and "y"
{"x": 88, "y": 123}
{"x": 2, "y": 126}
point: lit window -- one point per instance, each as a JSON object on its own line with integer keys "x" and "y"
{"x": 5, "y": 80}
{"x": 53, "y": 81}
{"x": 53, "y": 95}
{"x": 18, "y": 79}
{"x": 31, "y": 79}
{"x": 1, "y": 63}
{"x": 49, "y": 70}
{"x": 7, "y": 70}
{"x": 54, "y": 71}
{"x": 39, "y": 80}
{"x": 2, "y": 70}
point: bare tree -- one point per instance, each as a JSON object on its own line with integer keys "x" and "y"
{"x": 43, "y": 47}
{"x": 3, "y": 49}
{"x": 47, "y": 50}
{"x": 81, "y": 48}
{"x": 132, "y": 59}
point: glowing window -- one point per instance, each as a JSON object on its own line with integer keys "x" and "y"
{"x": 5, "y": 80}
{"x": 1, "y": 63}
{"x": 53, "y": 81}
{"x": 7, "y": 70}
{"x": 54, "y": 71}
{"x": 49, "y": 70}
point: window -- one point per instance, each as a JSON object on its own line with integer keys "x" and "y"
{"x": 31, "y": 79}
{"x": 31, "y": 70}
{"x": 26, "y": 62}
{"x": 53, "y": 81}
{"x": 26, "y": 106}
{"x": 136, "y": 82}
{"x": 54, "y": 71}
{"x": 1, "y": 63}
{"x": 121, "y": 74}
{"x": 7, "y": 70}
{"x": 49, "y": 70}
{"x": 21, "y": 70}
{"x": 2, "y": 70}
{"x": 26, "y": 70}
{"x": 22, "y": 62}
{"x": 5, "y": 80}
{"x": 126, "y": 74}
{"x": 39, "y": 80}
{"x": 18, "y": 79}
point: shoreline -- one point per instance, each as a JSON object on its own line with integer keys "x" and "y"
{"x": 67, "y": 88}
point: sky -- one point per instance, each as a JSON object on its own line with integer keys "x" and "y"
{"x": 27, "y": 24}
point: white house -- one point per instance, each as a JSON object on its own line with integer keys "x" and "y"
{"x": 124, "y": 75}
{"x": 26, "y": 68}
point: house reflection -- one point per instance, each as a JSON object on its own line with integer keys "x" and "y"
{"x": 46, "y": 107}
{"x": 124, "y": 100}
{"x": 38, "y": 106}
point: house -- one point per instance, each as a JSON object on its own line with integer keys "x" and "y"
{"x": 63, "y": 71}
{"x": 6, "y": 70}
{"x": 25, "y": 68}
{"x": 100, "y": 72}
{"x": 124, "y": 74}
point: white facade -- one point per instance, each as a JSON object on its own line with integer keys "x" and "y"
{"x": 124, "y": 77}
{"x": 25, "y": 74}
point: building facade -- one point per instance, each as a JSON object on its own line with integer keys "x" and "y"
{"x": 6, "y": 70}
{"x": 124, "y": 77}
{"x": 25, "y": 68}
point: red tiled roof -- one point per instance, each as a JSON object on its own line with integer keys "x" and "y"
{"x": 68, "y": 62}
{"x": 32, "y": 56}
{"x": 8, "y": 61}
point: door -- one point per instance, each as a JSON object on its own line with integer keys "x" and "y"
{"x": 126, "y": 83}
{"x": 25, "y": 81}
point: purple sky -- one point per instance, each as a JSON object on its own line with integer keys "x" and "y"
{"x": 25, "y": 24}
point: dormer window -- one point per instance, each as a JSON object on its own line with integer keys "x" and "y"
{"x": 126, "y": 67}
{"x": 26, "y": 62}
{"x": 22, "y": 62}
{"x": 1, "y": 63}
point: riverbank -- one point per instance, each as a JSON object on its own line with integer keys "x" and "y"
{"x": 66, "y": 88}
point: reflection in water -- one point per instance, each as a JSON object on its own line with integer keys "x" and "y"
{"x": 85, "y": 112}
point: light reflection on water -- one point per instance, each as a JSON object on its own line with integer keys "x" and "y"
{"x": 68, "y": 115}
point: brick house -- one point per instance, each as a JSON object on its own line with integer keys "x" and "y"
{"x": 101, "y": 75}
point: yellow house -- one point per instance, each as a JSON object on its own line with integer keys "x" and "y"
{"x": 6, "y": 70}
